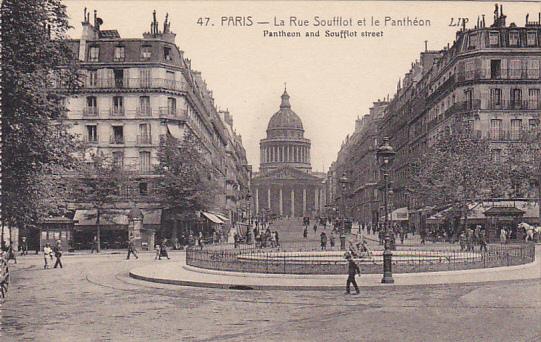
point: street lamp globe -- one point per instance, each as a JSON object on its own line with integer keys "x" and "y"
{"x": 385, "y": 154}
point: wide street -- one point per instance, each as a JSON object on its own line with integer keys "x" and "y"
{"x": 93, "y": 299}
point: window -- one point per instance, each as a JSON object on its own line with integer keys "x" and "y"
{"x": 533, "y": 123}
{"x": 533, "y": 99}
{"x": 515, "y": 68}
{"x": 92, "y": 80}
{"x": 143, "y": 188}
{"x": 146, "y": 52}
{"x": 118, "y": 135}
{"x": 144, "y": 134}
{"x": 118, "y": 106}
{"x": 531, "y": 38}
{"x": 167, "y": 53}
{"x": 516, "y": 128}
{"x": 495, "y": 128}
{"x": 516, "y": 98}
{"x": 533, "y": 68}
{"x": 92, "y": 133}
{"x": 119, "y": 54}
{"x": 513, "y": 38}
{"x": 495, "y": 98}
{"x": 144, "y": 75}
{"x": 495, "y": 69}
{"x": 469, "y": 70}
{"x": 144, "y": 106}
{"x": 170, "y": 79}
{"x": 171, "y": 106}
{"x": 119, "y": 78}
{"x": 94, "y": 54}
{"x": 469, "y": 98}
{"x": 494, "y": 39}
{"x": 144, "y": 161}
{"x": 91, "y": 106}
{"x": 118, "y": 159}
{"x": 473, "y": 41}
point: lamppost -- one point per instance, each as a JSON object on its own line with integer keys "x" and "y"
{"x": 343, "y": 182}
{"x": 385, "y": 155}
{"x": 248, "y": 198}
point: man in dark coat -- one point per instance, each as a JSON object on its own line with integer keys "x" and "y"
{"x": 353, "y": 270}
{"x": 57, "y": 250}
{"x": 131, "y": 249}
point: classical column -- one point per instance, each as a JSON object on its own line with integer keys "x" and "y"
{"x": 303, "y": 201}
{"x": 269, "y": 198}
{"x": 293, "y": 202}
{"x": 281, "y": 203}
{"x": 256, "y": 201}
{"x": 316, "y": 198}
{"x": 287, "y": 154}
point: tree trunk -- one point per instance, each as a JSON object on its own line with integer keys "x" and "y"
{"x": 98, "y": 238}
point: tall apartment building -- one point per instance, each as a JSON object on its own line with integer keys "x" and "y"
{"x": 489, "y": 77}
{"x": 356, "y": 159}
{"x": 135, "y": 92}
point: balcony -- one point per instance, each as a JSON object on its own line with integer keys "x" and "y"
{"x": 135, "y": 83}
{"x": 505, "y": 135}
{"x": 144, "y": 139}
{"x": 143, "y": 112}
{"x": 513, "y": 105}
{"x": 117, "y": 111}
{"x": 116, "y": 140}
{"x": 172, "y": 113}
{"x": 91, "y": 112}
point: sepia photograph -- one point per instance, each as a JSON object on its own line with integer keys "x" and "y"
{"x": 270, "y": 170}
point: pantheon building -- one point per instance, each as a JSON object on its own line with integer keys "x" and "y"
{"x": 285, "y": 184}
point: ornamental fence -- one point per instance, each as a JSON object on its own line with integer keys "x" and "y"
{"x": 308, "y": 258}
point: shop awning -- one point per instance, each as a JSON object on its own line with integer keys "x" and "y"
{"x": 109, "y": 217}
{"x": 221, "y": 217}
{"x": 152, "y": 216}
{"x": 212, "y": 218}
{"x": 174, "y": 130}
{"x": 400, "y": 214}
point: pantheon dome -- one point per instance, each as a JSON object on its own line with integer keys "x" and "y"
{"x": 285, "y": 144}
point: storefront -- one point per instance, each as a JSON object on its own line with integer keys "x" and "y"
{"x": 53, "y": 229}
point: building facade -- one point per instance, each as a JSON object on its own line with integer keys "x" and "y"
{"x": 285, "y": 184}
{"x": 134, "y": 93}
{"x": 488, "y": 78}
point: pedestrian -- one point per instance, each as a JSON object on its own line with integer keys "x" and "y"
{"x": 47, "y": 253}
{"x": 94, "y": 245}
{"x": 158, "y": 250}
{"x": 305, "y": 232}
{"x": 236, "y": 240}
{"x": 163, "y": 249}
{"x": 503, "y": 235}
{"x": 323, "y": 239}
{"x": 402, "y": 235}
{"x": 462, "y": 241}
{"x": 57, "y": 250}
{"x": 11, "y": 253}
{"x": 24, "y": 246}
{"x": 315, "y": 228}
{"x": 199, "y": 241}
{"x": 353, "y": 270}
{"x": 333, "y": 240}
{"x": 131, "y": 249}
{"x": 277, "y": 238}
{"x": 482, "y": 241}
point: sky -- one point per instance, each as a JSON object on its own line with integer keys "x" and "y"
{"x": 331, "y": 81}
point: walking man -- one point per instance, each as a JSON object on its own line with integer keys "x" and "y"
{"x": 323, "y": 239}
{"x": 58, "y": 254}
{"x": 353, "y": 270}
{"x": 131, "y": 249}
{"x": 47, "y": 253}
{"x": 94, "y": 245}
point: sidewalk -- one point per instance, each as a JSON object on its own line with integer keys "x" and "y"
{"x": 178, "y": 273}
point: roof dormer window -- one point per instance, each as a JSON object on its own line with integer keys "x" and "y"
{"x": 513, "y": 38}
{"x": 146, "y": 53}
{"x": 494, "y": 38}
{"x": 531, "y": 38}
{"x": 167, "y": 54}
{"x": 94, "y": 54}
{"x": 119, "y": 54}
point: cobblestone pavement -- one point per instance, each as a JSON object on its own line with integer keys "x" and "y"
{"x": 92, "y": 299}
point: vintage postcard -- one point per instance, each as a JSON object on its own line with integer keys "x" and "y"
{"x": 270, "y": 171}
